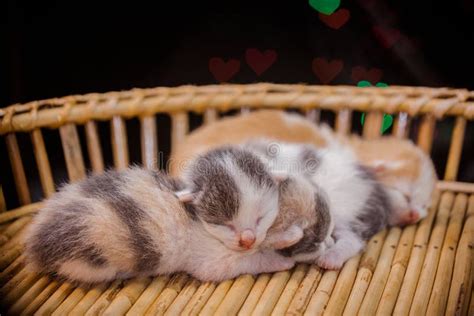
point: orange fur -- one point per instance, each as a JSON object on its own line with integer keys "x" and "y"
{"x": 239, "y": 129}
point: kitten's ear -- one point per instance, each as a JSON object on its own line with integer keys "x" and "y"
{"x": 184, "y": 196}
{"x": 381, "y": 166}
{"x": 279, "y": 176}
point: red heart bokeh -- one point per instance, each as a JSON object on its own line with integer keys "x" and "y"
{"x": 372, "y": 75}
{"x": 337, "y": 19}
{"x": 325, "y": 70}
{"x": 260, "y": 62}
{"x": 386, "y": 36}
{"x": 223, "y": 71}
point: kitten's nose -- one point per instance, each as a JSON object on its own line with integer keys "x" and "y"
{"x": 247, "y": 239}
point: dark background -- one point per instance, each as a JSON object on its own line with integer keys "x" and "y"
{"x": 56, "y": 48}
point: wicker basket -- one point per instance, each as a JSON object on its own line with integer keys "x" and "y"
{"x": 422, "y": 269}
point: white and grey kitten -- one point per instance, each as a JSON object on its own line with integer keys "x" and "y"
{"x": 130, "y": 223}
{"x": 234, "y": 194}
{"x": 358, "y": 205}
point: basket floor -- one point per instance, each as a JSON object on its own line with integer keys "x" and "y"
{"x": 422, "y": 269}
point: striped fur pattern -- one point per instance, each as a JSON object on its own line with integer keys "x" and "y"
{"x": 130, "y": 223}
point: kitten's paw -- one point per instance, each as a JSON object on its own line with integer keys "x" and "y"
{"x": 331, "y": 260}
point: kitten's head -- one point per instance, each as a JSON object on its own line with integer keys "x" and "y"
{"x": 233, "y": 195}
{"x": 409, "y": 177}
{"x": 304, "y": 204}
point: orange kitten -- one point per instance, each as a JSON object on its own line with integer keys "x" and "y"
{"x": 405, "y": 170}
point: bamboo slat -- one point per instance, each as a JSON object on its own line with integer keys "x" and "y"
{"x": 93, "y": 147}
{"x": 183, "y": 298}
{"x": 167, "y": 296}
{"x": 11, "y": 231}
{"x": 70, "y": 302}
{"x": 463, "y": 272}
{"x": 72, "y": 152}
{"x": 19, "y": 212}
{"x": 290, "y": 290}
{"x": 35, "y": 302}
{"x": 366, "y": 270}
{"x": 3, "y": 203}
{"x": 439, "y": 294}
{"x": 254, "y": 294}
{"x": 430, "y": 264}
{"x": 455, "y": 149}
{"x": 318, "y": 301}
{"x": 343, "y": 122}
{"x": 92, "y": 296}
{"x": 343, "y": 287}
{"x": 42, "y": 161}
{"x": 119, "y": 143}
{"x": 236, "y": 295}
{"x": 55, "y": 299}
{"x": 398, "y": 268}
{"x": 216, "y": 298}
{"x": 272, "y": 293}
{"x": 12, "y": 270}
{"x": 148, "y": 296}
{"x": 462, "y": 187}
{"x": 17, "y": 286}
{"x": 125, "y": 298}
{"x": 210, "y": 116}
{"x": 199, "y": 299}
{"x": 400, "y": 125}
{"x": 106, "y": 297}
{"x": 179, "y": 128}
{"x": 17, "y": 168}
{"x": 33, "y": 292}
{"x": 425, "y": 133}
{"x": 187, "y": 98}
{"x": 372, "y": 123}
{"x": 418, "y": 252}
{"x": 149, "y": 142}
{"x": 380, "y": 276}
{"x": 305, "y": 290}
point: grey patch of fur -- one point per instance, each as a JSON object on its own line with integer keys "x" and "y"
{"x": 53, "y": 244}
{"x": 253, "y": 168}
{"x": 375, "y": 214}
{"x": 310, "y": 159}
{"x": 314, "y": 235}
{"x": 107, "y": 187}
{"x": 165, "y": 182}
{"x": 217, "y": 194}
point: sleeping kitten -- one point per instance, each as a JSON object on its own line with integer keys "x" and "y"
{"x": 234, "y": 185}
{"x": 304, "y": 214}
{"x": 405, "y": 171}
{"x": 130, "y": 223}
{"x": 357, "y": 203}
{"x": 235, "y": 195}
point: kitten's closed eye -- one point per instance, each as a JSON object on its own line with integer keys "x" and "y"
{"x": 259, "y": 219}
{"x": 230, "y": 226}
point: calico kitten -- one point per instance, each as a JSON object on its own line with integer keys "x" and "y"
{"x": 405, "y": 171}
{"x": 358, "y": 205}
{"x": 130, "y": 223}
